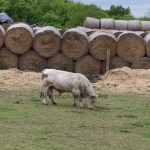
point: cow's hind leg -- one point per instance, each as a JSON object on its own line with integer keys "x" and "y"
{"x": 50, "y": 91}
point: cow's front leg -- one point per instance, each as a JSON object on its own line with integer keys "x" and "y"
{"x": 74, "y": 98}
{"x": 50, "y": 91}
{"x": 81, "y": 105}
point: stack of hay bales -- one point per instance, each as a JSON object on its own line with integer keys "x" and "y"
{"x": 82, "y": 49}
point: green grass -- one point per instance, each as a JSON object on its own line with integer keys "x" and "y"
{"x": 117, "y": 122}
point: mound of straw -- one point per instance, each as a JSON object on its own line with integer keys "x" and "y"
{"x": 115, "y": 62}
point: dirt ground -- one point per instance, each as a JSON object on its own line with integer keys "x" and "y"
{"x": 124, "y": 80}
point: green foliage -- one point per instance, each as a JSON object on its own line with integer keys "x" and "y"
{"x": 119, "y": 12}
{"x": 60, "y": 13}
{"x": 144, "y": 18}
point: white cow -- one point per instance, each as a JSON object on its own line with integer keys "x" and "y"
{"x": 63, "y": 81}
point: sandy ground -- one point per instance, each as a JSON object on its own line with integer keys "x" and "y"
{"x": 124, "y": 80}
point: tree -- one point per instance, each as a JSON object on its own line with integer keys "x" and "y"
{"x": 119, "y": 12}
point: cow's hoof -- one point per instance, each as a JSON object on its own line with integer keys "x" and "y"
{"x": 45, "y": 104}
{"x": 54, "y": 103}
{"x": 74, "y": 104}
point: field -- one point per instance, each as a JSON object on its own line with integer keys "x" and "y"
{"x": 119, "y": 121}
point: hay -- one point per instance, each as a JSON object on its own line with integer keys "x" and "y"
{"x": 6, "y": 26}
{"x": 134, "y": 25}
{"x": 88, "y": 65}
{"x": 116, "y": 32}
{"x": 121, "y": 25}
{"x": 2, "y": 33}
{"x": 141, "y": 33}
{"x": 145, "y": 25}
{"x": 115, "y": 62}
{"x": 60, "y": 62}
{"x": 62, "y": 31}
{"x": 84, "y": 29}
{"x": 92, "y": 23}
{"x": 18, "y": 38}
{"x": 107, "y": 23}
{"x": 130, "y": 46}
{"x": 47, "y": 41}
{"x": 100, "y": 42}
{"x": 147, "y": 41}
{"x": 141, "y": 63}
{"x": 75, "y": 43}
{"x": 8, "y": 59}
{"x": 32, "y": 61}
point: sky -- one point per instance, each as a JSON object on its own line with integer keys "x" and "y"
{"x": 138, "y": 8}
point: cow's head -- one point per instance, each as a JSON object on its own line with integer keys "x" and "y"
{"x": 90, "y": 100}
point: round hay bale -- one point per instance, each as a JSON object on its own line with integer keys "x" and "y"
{"x": 18, "y": 38}
{"x": 6, "y": 26}
{"x": 75, "y": 43}
{"x": 2, "y": 33}
{"x": 121, "y": 25}
{"x": 145, "y": 25}
{"x": 134, "y": 25}
{"x": 141, "y": 63}
{"x": 8, "y": 59}
{"x": 88, "y": 65}
{"x": 130, "y": 46}
{"x": 147, "y": 41}
{"x": 32, "y": 61}
{"x": 115, "y": 62}
{"x": 107, "y": 23}
{"x": 92, "y": 23}
{"x": 100, "y": 42}
{"x": 47, "y": 41}
{"x": 60, "y": 62}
